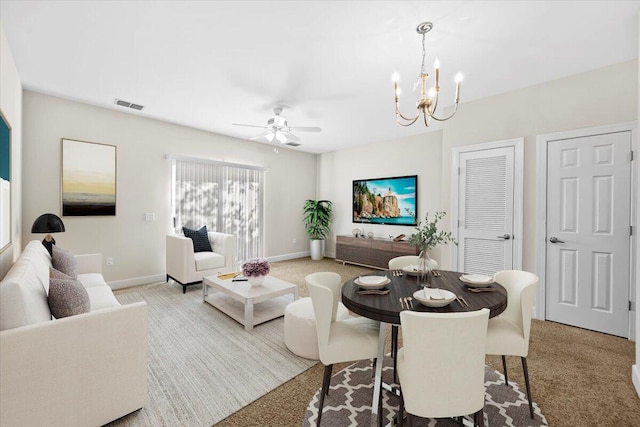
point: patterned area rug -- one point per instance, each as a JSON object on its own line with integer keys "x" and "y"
{"x": 351, "y": 391}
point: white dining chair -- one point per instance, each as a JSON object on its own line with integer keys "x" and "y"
{"x": 355, "y": 338}
{"x": 399, "y": 262}
{"x": 441, "y": 364}
{"x": 508, "y": 333}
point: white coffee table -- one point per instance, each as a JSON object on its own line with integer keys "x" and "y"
{"x": 246, "y": 304}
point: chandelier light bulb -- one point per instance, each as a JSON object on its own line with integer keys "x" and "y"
{"x": 459, "y": 77}
{"x": 436, "y": 63}
{"x": 269, "y": 136}
{"x": 395, "y": 77}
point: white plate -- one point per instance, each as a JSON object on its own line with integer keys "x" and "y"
{"x": 369, "y": 282}
{"x": 412, "y": 270}
{"x": 476, "y": 280}
{"x": 433, "y": 297}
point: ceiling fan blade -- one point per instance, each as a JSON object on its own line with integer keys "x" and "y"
{"x": 249, "y": 126}
{"x": 290, "y": 137}
{"x": 305, "y": 128}
{"x": 263, "y": 136}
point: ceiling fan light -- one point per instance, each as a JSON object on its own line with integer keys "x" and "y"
{"x": 269, "y": 136}
{"x": 281, "y": 137}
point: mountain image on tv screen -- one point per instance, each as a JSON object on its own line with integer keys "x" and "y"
{"x": 386, "y": 200}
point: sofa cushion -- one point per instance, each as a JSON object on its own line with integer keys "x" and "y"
{"x": 90, "y": 280}
{"x": 208, "y": 260}
{"x": 101, "y": 297}
{"x": 63, "y": 261}
{"x": 67, "y": 297}
{"x": 23, "y": 299}
{"x": 200, "y": 239}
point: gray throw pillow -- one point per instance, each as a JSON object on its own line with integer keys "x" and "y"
{"x": 67, "y": 297}
{"x": 57, "y": 274}
{"x": 63, "y": 261}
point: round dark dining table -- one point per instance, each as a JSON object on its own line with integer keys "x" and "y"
{"x": 386, "y": 308}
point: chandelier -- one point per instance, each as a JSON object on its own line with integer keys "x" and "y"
{"x": 428, "y": 102}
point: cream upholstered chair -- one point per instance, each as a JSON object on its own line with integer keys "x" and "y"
{"x": 441, "y": 364}
{"x": 508, "y": 333}
{"x": 399, "y": 262}
{"x": 355, "y": 338}
{"x": 187, "y": 267}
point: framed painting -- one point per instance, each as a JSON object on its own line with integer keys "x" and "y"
{"x": 5, "y": 183}
{"x": 88, "y": 178}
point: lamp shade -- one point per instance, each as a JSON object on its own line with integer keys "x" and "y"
{"x": 47, "y": 223}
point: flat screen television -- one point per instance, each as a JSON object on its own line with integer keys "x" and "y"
{"x": 391, "y": 201}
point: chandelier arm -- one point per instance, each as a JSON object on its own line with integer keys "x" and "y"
{"x": 409, "y": 123}
{"x": 427, "y": 120}
{"x": 435, "y": 103}
{"x": 455, "y": 110}
{"x": 411, "y": 119}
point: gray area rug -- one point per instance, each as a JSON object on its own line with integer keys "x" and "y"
{"x": 203, "y": 365}
{"x": 351, "y": 391}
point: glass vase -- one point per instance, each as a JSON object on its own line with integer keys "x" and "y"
{"x": 424, "y": 265}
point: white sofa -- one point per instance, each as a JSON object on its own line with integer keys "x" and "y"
{"x": 188, "y": 267}
{"x": 82, "y": 370}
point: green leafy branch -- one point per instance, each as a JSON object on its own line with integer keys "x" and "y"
{"x": 428, "y": 235}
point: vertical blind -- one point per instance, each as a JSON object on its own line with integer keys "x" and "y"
{"x": 226, "y": 198}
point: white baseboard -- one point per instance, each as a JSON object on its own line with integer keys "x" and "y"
{"x": 136, "y": 281}
{"x": 635, "y": 377}
{"x": 286, "y": 257}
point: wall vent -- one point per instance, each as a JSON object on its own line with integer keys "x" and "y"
{"x": 293, "y": 144}
{"x": 128, "y": 104}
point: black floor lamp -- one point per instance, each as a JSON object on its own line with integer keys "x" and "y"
{"x": 48, "y": 223}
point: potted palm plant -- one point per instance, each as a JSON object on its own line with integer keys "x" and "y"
{"x": 317, "y": 219}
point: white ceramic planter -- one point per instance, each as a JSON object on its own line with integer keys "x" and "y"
{"x": 317, "y": 249}
{"x": 256, "y": 280}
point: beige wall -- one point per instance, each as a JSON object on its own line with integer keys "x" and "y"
{"x": 144, "y": 183}
{"x": 11, "y": 106}
{"x": 419, "y": 155}
{"x": 604, "y": 96}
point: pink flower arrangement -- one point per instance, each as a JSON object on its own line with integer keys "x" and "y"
{"x": 256, "y": 267}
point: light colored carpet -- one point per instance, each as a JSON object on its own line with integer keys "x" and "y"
{"x": 203, "y": 365}
{"x": 578, "y": 377}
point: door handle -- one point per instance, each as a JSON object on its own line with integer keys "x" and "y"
{"x": 555, "y": 240}
{"x": 504, "y": 236}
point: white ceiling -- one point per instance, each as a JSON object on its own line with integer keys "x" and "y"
{"x": 210, "y": 64}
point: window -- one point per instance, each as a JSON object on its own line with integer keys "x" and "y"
{"x": 225, "y": 197}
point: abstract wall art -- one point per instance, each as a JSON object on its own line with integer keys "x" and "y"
{"x": 88, "y": 178}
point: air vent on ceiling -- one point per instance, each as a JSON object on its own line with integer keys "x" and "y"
{"x": 127, "y": 104}
{"x": 293, "y": 144}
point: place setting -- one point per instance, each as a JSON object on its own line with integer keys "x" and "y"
{"x": 478, "y": 283}
{"x": 372, "y": 285}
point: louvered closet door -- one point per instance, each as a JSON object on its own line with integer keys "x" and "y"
{"x": 486, "y": 210}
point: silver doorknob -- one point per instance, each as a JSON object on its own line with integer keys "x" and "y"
{"x": 504, "y": 236}
{"x": 555, "y": 240}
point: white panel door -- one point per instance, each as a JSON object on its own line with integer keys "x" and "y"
{"x": 486, "y": 210}
{"x": 588, "y": 232}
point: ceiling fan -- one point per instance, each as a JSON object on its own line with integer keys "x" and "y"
{"x": 278, "y": 129}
